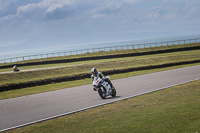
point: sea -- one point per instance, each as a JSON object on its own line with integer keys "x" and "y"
{"x": 75, "y": 49}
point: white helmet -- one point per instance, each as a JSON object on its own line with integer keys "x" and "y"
{"x": 94, "y": 71}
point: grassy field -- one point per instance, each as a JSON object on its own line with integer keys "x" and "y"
{"x": 174, "y": 109}
{"x": 120, "y": 63}
{"x": 192, "y": 52}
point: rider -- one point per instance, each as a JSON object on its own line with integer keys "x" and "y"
{"x": 97, "y": 74}
{"x": 15, "y": 68}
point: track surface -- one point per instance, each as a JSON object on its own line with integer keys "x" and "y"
{"x": 27, "y": 109}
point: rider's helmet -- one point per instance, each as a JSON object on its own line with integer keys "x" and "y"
{"x": 94, "y": 71}
{"x": 15, "y": 66}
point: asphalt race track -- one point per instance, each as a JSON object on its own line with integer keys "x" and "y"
{"x": 29, "y": 109}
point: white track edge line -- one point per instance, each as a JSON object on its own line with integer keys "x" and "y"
{"x": 87, "y": 108}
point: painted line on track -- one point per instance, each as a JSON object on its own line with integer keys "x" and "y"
{"x": 87, "y": 108}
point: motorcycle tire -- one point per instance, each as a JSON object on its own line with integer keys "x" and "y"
{"x": 114, "y": 93}
{"x": 102, "y": 94}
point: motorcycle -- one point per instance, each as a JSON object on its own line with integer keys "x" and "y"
{"x": 16, "y": 69}
{"x": 103, "y": 87}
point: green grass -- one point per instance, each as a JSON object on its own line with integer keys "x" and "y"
{"x": 102, "y": 65}
{"x": 192, "y": 52}
{"x": 174, "y": 109}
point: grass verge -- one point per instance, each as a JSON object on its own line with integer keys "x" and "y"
{"x": 174, "y": 109}
{"x": 102, "y": 60}
{"x": 34, "y": 76}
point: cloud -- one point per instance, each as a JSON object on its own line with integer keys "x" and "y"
{"x": 110, "y": 9}
{"x": 44, "y": 19}
{"x": 56, "y": 4}
{"x": 35, "y": 10}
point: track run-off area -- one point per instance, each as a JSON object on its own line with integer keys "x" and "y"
{"x": 22, "y": 111}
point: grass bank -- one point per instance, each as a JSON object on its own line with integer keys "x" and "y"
{"x": 103, "y": 65}
{"x": 103, "y": 60}
{"x": 175, "y": 109}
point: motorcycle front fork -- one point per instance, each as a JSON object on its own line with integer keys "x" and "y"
{"x": 109, "y": 91}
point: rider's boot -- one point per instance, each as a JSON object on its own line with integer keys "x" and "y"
{"x": 111, "y": 85}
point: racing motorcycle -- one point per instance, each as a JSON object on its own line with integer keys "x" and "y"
{"x": 16, "y": 69}
{"x": 103, "y": 87}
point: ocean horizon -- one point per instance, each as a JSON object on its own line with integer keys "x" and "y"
{"x": 57, "y": 49}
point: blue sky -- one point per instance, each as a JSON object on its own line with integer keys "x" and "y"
{"x": 30, "y": 24}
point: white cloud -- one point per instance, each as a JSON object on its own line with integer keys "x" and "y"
{"x": 37, "y": 10}
{"x": 168, "y": 9}
{"x": 28, "y": 10}
{"x": 98, "y": 18}
{"x": 54, "y": 4}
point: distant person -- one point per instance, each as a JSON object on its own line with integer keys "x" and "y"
{"x": 15, "y": 68}
{"x": 96, "y": 74}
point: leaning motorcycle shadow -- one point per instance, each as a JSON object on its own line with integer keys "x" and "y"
{"x": 112, "y": 97}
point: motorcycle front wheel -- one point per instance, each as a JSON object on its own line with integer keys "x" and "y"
{"x": 102, "y": 94}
